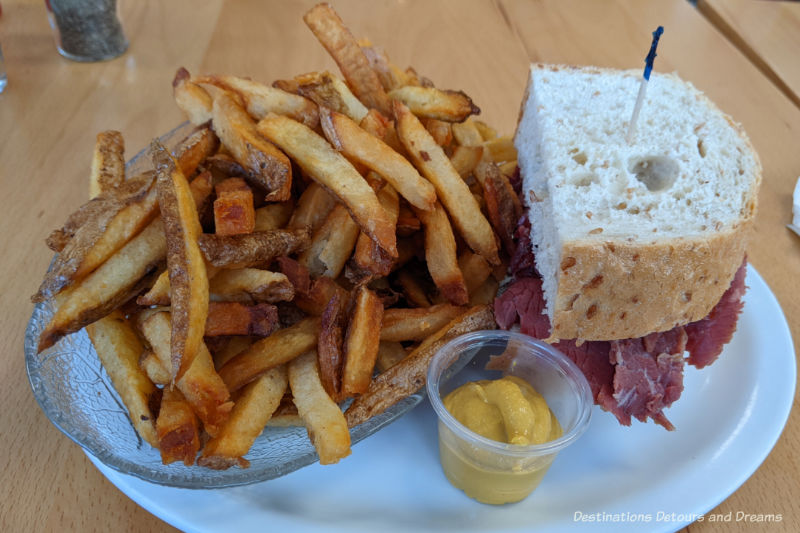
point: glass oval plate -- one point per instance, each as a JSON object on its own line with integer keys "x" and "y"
{"x": 76, "y": 394}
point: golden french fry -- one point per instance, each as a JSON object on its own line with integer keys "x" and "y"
{"x": 487, "y": 132}
{"x": 260, "y": 99}
{"x": 232, "y": 347}
{"x": 274, "y": 216}
{"x": 108, "y": 287}
{"x": 355, "y": 143}
{"x": 331, "y": 245}
{"x": 234, "y": 212}
{"x": 389, "y": 354}
{"x": 194, "y": 149}
{"x": 200, "y": 384}
{"x": 467, "y": 133}
{"x": 388, "y": 73}
{"x": 312, "y": 208}
{"x": 414, "y": 293}
{"x": 124, "y": 212}
{"x": 177, "y": 429}
{"x": 280, "y": 347}
{"x": 253, "y": 409}
{"x": 501, "y": 149}
{"x": 430, "y": 102}
{"x": 361, "y": 341}
{"x": 453, "y": 193}
{"x": 108, "y": 163}
{"x": 466, "y": 158}
{"x": 232, "y": 251}
{"x": 250, "y": 284}
{"x": 508, "y": 168}
{"x": 191, "y": 98}
{"x": 408, "y": 376}
{"x": 327, "y": 90}
{"x": 264, "y": 163}
{"x": 485, "y": 294}
{"x": 343, "y": 47}
{"x": 319, "y": 294}
{"x": 331, "y": 170}
{"x": 474, "y": 269}
{"x": 440, "y": 130}
{"x": 153, "y": 369}
{"x": 440, "y": 255}
{"x": 119, "y": 350}
{"x": 326, "y": 425}
{"x": 416, "y": 324}
{"x": 188, "y": 279}
{"x": 369, "y": 260}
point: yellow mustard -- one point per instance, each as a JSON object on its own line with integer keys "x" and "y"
{"x": 507, "y": 410}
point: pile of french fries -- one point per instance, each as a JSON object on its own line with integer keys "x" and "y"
{"x": 308, "y": 247}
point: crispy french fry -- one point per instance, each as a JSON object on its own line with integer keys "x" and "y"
{"x": 326, "y": 425}
{"x": 108, "y": 163}
{"x": 231, "y": 251}
{"x": 286, "y": 414}
{"x": 264, "y": 163}
{"x": 119, "y": 349}
{"x": 312, "y": 208}
{"x": 191, "y": 98}
{"x": 273, "y": 216}
{"x": 280, "y": 347}
{"x": 388, "y": 73}
{"x": 429, "y": 102}
{"x": 414, "y": 293}
{"x": 331, "y": 245}
{"x": 109, "y": 286}
{"x": 322, "y": 290}
{"x": 343, "y": 47}
{"x": 233, "y": 318}
{"x": 361, "y": 341}
{"x": 200, "y": 384}
{"x": 260, "y": 99}
{"x": 177, "y": 428}
{"x": 501, "y": 149}
{"x": 502, "y": 203}
{"x": 331, "y": 170}
{"x": 358, "y": 145}
{"x": 250, "y": 284}
{"x": 474, "y": 269}
{"x": 369, "y": 260}
{"x": 298, "y": 275}
{"x": 408, "y": 376}
{"x": 232, "y": 347}
{"x": 466, "y": 158}
{"x": 125, "y": 211}
{"x": 453, "y": 193}
{"x": 440, "y": 130}
{"x": 253, "y": 409}
{"x": 330, "y": 346}
{"x": 153, "y": 369}
{"x": 417, "y": 324}
{"x": 467, "y": 134}
{"x": 508, "y": 168}
{"x": 188, "y": 279}
{"x": 389, "y": 354}
{"x": 234, "y": 212}
{"x": 440, "y": 255}
{"x": 327, "y": 90}
{"x": 194, "y": 149}
{"x": 487, "y": 132}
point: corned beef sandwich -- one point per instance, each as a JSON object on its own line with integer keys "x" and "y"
{"x": 631, "y": 255}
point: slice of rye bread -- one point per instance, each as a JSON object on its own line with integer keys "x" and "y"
{"x": 631, "y": 239}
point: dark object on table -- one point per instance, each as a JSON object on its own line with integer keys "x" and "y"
{"x": 87, "y": 30}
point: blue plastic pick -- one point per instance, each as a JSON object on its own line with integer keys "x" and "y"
{"x": 648, "y": 67}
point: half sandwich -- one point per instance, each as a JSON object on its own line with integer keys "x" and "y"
{"x": 638, "y": 248}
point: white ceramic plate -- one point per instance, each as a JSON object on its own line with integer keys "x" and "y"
{"x": 728, "y": 419}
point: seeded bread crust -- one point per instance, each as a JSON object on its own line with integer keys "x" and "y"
{"x": 617, "y": 288}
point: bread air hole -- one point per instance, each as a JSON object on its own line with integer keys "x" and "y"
{"x": 656, "y": 172}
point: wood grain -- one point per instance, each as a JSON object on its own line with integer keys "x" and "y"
{"x": 768, "y": 33}
{"x": 53, "y": 108}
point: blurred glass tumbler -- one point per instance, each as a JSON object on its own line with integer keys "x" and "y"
{"x": 87, "y": 30}
{"x": 3, "y": 77}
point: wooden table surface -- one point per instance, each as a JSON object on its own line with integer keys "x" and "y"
{"x": 768, "y": 33}
{"x": 52, "y": 109}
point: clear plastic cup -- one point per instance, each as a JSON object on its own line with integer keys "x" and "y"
{"x": 491, "y": 471}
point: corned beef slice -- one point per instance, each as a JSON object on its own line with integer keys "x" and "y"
{"x": 632, "y": 377}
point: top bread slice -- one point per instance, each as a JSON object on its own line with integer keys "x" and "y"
{"x": 637, "y": 238}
